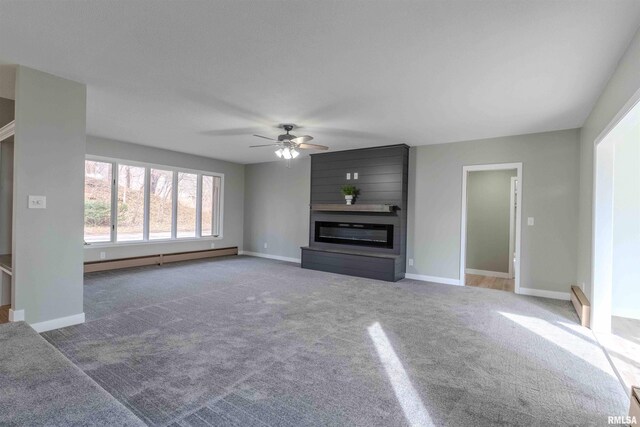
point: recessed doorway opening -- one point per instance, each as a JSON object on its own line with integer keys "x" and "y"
{"x": 490, "y": 228}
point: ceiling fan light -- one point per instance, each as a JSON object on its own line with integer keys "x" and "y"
{"x": 279, "y": 152}
{"x": 287, "y": 153}
{"x": 294, "y": 153}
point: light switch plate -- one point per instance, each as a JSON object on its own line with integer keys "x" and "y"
{"x": 348, "y": 175}
{"x": 530, "y": 221}
{"x": 355, "y": 175}
{"x": 37, "y": 202}
{"x": 410, "y": 262}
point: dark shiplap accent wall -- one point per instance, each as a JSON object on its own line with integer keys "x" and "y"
{"x": 382, "y": 179}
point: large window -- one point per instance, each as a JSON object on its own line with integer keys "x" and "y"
{"x": 132, "y": 202}
{"x": 97, "y": 201}
{"x": 187, "y": 204}
{"x": 160, "y": 204}
{"x": 210, "y": 219}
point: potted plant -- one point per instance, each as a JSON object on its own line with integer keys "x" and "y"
{"x": 350, "y": 192}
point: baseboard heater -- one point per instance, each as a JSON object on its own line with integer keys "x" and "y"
{"x": 581, "y": 304}
{"x": 159, "y": 259}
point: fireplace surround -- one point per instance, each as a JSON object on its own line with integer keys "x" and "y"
{"x": 368, "y": 238}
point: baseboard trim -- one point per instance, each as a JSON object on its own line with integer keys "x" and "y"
{"x": 16, "y": 315}
{"x": 626, "y": 312}
{"x": 565, "y": 296}
{"x": 269, "y": 256}
{"x": 487, "y": 273}
{"x": 61, "y": 322}
{"x": 434, "y": 279}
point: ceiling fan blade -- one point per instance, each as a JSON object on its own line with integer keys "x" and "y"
{"x": 313, "y": 147}
{"x": 302, "y": 139}
{"x": 264, "y": 145}
{"x": 265, "y": 137}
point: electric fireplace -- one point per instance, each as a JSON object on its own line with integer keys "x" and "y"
{"x": 350, "y": 233}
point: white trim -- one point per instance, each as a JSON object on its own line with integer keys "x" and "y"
{"x": 433, "y": 279}
{"x": 463, "y": 219}
{"x": 269, "y": 256}
{"x": 16, "y": 315}
{"x": 545, "y": 294}
{"x": 626, "y": 312}
{"x": 61, "y": 322}
{"x": 8, "y": 130}
{"x": 499, "y": 274}
{"x": 601, "y": 255}
{"x": 512, "y": 223}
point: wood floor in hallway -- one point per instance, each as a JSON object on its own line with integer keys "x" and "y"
{"x": 4, "y": 313}
{"x": 497, "y": 283}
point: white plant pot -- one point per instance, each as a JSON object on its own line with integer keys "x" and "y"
{"x": 349, "y": 199}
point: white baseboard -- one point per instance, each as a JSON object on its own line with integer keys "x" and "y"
{"x": 545, "y": 294}
{"x": 487, "y": 273}
{"x": 16, "y": 315}
{"x": 442, "y": 280}
{"x": 269, "y": 256}
{"x": 61, "y": 322}
{"x": 626, "y": 312}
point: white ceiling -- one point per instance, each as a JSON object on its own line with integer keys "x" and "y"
{"x": 202, "y": 76}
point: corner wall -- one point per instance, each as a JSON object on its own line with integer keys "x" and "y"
{"x": 49, "y": 148}
{"x": 232, "y": 227}
{"x": 277, "y": 208}
{"x": 622, "y": 86}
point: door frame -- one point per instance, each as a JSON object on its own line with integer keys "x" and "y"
{"x": 463, "y": 222}
{"x": 513, "y": 205}
{"x": 602, "y": 222}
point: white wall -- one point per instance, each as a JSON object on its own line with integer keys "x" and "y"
{"x": 49, "y": 149}
{"x": 622, "y": 86}
{"x": 626, "y": 222}
{"x": 550, "y": 168}
{"x": 233, "y": 197}
{"x": 277, "y": 207}
{"x": 488, "y": 208}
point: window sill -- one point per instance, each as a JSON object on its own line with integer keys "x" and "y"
{"x": 151, "y": 242}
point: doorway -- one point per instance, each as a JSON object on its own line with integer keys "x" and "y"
{"x": 490, "y": 226}
{"x": 615, "y": 296}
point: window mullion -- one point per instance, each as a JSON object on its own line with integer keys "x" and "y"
{"x": 147, "y": 203}
{"x": 199, "y": 206}
{"x": 174, "y": 206}
{"x": 114, "y": 202}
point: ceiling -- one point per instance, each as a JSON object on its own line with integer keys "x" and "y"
{"x": 202, "y": 76}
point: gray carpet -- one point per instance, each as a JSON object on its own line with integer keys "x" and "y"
{"x": 40, "y": 387}
{"x": 247, "y": 341}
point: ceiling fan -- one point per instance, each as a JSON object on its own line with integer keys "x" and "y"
{"x": 288, "y": 145}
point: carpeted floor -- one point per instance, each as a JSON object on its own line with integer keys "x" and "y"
{"x": 248, "y": 341}
{"x": 40, "y": 387}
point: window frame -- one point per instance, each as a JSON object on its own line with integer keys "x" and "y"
{"x": 116, "y": 162}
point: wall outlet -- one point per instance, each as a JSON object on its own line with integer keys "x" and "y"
{"x": 410, "y": 262}
{"x": 265, "y": 245}
{"x": 348, "y": 175}
{"x": 355, "y": 175}
{"x": 103, "y": 255}
{"x": 37, "y": 202}
{"x": 213, "y": 246}
{"x": 530, "y": 221}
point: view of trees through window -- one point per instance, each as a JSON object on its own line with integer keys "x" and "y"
{"x": 161, "y": 204}
{"x": 97, "y": 201}
{"x": 187, "y": 196}
{"x": 170, "y": 201}
{"x": 130, "y": 225}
